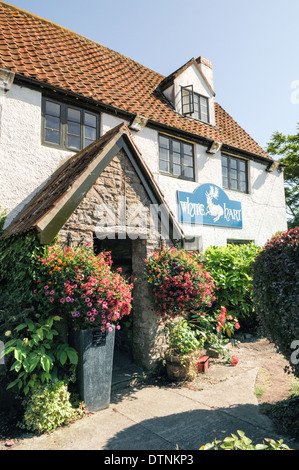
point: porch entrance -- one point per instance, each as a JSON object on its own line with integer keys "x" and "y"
{"x": 124, "y": 369}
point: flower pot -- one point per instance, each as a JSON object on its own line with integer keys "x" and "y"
{"x": 178, "y": 367}
{"x": 94, "y": 370}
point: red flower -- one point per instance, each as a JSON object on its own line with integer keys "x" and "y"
{"x": 235, "y": 360}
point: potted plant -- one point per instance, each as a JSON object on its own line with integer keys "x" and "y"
{"x": 182, "y": 351}
{"x": 92, "y": 299}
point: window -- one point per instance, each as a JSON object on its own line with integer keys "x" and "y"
{"x": 239, "y": 242}
{"x": 176, "y": 158}
{"x": 201, "y": 108}
{"x": 187, "y": 100}
{"x": 68, "y": 127}
{"x": 193, "y": 244}
{"x": 234, "y": 174}
{"x": 195, "y": 105}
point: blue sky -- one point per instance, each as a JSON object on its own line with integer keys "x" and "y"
{"x": 253, "y": 45}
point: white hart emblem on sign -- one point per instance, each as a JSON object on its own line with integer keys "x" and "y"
{"x": 215, "y": 210}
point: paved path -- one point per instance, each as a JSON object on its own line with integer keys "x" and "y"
{"x": 149, "y": 417}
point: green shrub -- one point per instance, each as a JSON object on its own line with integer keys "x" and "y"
{"x": 37, "y": 355}
{"x": 181, "y": 339}
{"x": 242, "y": 442}
{"x": 276, "y": 293}
{"x": 231, "y": 271}
{"x": 18, "y": 273}
{"x": 48, "y": 408}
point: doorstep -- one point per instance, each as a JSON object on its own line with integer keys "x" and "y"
{"x": 124, "y": 372}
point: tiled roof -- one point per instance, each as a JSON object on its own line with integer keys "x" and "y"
{"x": 39, "y": 49}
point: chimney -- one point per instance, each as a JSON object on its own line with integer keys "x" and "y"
{"x": 207, "y": 69}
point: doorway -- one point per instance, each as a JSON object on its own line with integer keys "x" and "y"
{"x": 121, "y": 255}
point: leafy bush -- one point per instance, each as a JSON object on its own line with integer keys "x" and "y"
{"x": 242, "y": 442}
{"x": 215, "y": 328}
{"x": 285, "y": 414}
{"x": 18, "y": 271}
{"x": 181, "y": 339}
{"x": 82, "y": 286}
{"x": 49, "y": 407}
{"x": 178, "y": 284}
{"x": 231, "y": 271}
{"x": 37, "y": 355}
{"x": 276, "y": 292}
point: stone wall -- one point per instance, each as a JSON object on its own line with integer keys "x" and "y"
{"x": 118, "y": 202}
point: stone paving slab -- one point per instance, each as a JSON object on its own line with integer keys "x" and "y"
{"x": 149, "y": 417}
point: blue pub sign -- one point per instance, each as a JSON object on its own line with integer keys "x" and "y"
{"x": 209, "y": 205}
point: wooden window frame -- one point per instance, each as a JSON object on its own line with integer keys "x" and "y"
{"x": 229, "y": 178}
{"x": 63, "y": 127}
{"x": 171, "y": 161}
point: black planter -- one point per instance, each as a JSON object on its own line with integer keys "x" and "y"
{"x": 94, "y": 370}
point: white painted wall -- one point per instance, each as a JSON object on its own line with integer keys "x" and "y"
{"x": 25, "y": 165}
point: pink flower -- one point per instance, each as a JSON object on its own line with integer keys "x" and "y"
{"x": 118, "y": 327}
{"x": 51, "y": 299}
{"x": 52, "y": 292}
{"x": 46, "y": 287}
{"x": 62, "y": 301}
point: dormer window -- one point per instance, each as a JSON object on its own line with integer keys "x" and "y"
{"x": 201, "y": 108}
{"x": 194, "y": 104}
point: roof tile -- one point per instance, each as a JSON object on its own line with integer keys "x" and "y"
{"x": 40, "y": 49}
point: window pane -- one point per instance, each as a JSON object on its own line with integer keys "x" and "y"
{"x": 90, "y": 120}
{"x": 188, "y": 149}
{"x": 242, "y": 166}
{"x": 233, "y": 174}
{"x": 188, "y": 161}
{"x": 204, "y": 118}
{"x": 233, "y": 163}
{"x": 164, "y": 166}
{"x": 74, "y": 142}
{"x": 164, "y": 154}
{"x": 234, "y": 184}
{"x": 176, "y": 146}
{"x": 52, "y": 108}
{"x": 74, "y": 114}
{"x": 224, "y": 171}
{"x": 87, "y": 142}
{"x": 224, "y": 161}
{"x": 176, "y": 158}
{"x": 164, "y": 142}
{"x": 225, "y": 182}
{"x": 90, "y": 133}
{"x": 242, "y": 176}
{"x": 52, "y": 122}
{"x": 243, "y": 187}
{"x": 203, "y": 102}
{"x": 52, "y": 136}
{"x": 176, "y": 170}
{"x": 188, "y": 172}
{"x": 73, "y": 128}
